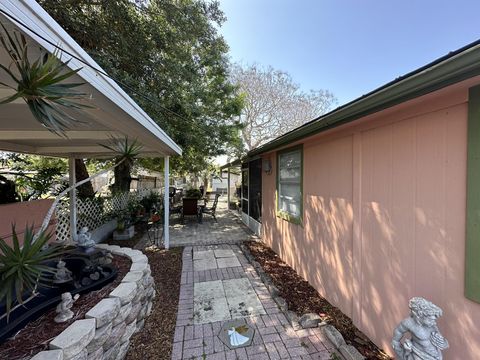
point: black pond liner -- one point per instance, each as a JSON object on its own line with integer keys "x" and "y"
{"x": 48, "y": 298}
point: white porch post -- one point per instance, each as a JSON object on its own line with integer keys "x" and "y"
{"x": 73, "y": 198}
{"x": 228, "y": 188}
{"x": 166, "y": 204}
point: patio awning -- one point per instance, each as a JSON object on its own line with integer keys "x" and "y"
{"x": 113, "y": 112}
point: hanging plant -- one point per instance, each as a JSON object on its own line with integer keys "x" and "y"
{"x": 40, "y": 84}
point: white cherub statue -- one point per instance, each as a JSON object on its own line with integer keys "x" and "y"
{"x": 84, "y": 238}
{"x": 63, "y": 309}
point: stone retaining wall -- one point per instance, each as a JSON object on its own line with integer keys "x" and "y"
{"x": 105, "y": 332}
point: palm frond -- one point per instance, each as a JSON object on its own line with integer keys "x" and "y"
{"x": 124, "y": 148}
{"x": 40, "y": 84}
{"x": 22, "y": 268}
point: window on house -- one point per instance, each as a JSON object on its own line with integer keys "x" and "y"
{"x": 289, "y": 187}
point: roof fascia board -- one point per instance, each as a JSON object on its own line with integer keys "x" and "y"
{"x": 455, "y": 69}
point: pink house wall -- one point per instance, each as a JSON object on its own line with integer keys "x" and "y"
{"x": 384, "y": 217}
{"x": 22, "y": 214}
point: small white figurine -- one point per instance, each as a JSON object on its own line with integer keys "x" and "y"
{"x": 236, "y": 339}
{"x": 63, "y": 309}
{"x": 63, "y": 274}
{"x": 84, "y": 238}
{"x": 426, "y": 342}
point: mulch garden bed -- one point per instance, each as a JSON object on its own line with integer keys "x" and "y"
{"x": 302, "y": 298}
{"x": 155, "y": 340}
{"x": 35, "y": 337}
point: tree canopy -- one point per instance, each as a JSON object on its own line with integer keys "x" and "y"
{"x": 274, "y": 103}
{"x": 169, "y": 56}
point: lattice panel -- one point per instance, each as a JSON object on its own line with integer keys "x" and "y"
{"x": 91, "y": 213}
{"x": 62, "y": 214}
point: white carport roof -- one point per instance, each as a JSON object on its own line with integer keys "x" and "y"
{"x": 114, "y": 113}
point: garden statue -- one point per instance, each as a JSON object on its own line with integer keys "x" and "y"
{"x": 63, "y": 309}
{"x": 426, "y": 342}
{"x": 62, "y": 275}
{"x": 84, "y": 239}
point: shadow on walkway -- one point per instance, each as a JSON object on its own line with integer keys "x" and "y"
{"x": 227, "y": 230}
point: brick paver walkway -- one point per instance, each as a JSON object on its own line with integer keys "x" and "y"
{"x": 226, "y": 230}
{"x": 274, "y": 337}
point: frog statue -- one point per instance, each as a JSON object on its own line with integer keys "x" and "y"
{"x": 426, "y": 342}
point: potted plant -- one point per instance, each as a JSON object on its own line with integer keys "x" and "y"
{"x": 193, "y": 194}
{"x": 125, "y": 230}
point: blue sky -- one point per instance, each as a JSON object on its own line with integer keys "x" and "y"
{"x": 349, "y": 47}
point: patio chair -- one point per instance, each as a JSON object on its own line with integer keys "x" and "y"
{"x": 211, "y": 210}
{"x": 190, "y": 208}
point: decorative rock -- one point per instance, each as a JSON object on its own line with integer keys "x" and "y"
{"x": 334, "y": 336}
{"x": 149, "y": 308}
{"x": 293, "y": 319}
{"x": 101, "y": 335}
{"x": 310, "y": 320}
{"x": 122, "y": 315}
{"x": 140, "y": 325}
{"x": 125, "y": 292}
{"x": 123, "y": 350}
{"x": 74, "y": 338}
{"x": 82, "y": 355}
{"x": 49, "y": 355}
{"x": 139, "y": 267}
{"x": 265, "y": 278}
{"x": 133, "y": 313}
{"x": 350, "y": 353}
{"x": 130, "y": 329}
{"x": 281, "y": 302}
{"x": 151, "y": 292}
{"x": 140, "y": 295}
{"x": 111, "y": 354}
{"x": 103, "y": 246}
{"x": 139, "y": 259}
{"x": 133, "y": 276}
{"x": 115, "y": 336}
{"x": 104, "y": 312}
{"x": 142, "y": 313}
{"x": 273, "y": 290}
{"x": 96, "y": 355}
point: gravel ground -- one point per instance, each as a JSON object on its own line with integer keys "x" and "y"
{"x": 302, "y": 298}
{"x": 155, "y": 340}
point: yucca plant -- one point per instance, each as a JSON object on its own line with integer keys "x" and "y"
{"x": 126, "y": 151}
{"x": 23, "y": 268}
{"x": 40, "y": 83}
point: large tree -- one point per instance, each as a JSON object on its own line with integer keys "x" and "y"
{"x": 169, "y": 57}
{"x": 274, "y": 103}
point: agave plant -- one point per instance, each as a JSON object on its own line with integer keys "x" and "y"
{"x": 126, "y": 152}
{"x": 23, "y": 268}
{"x": 41, "y": 83}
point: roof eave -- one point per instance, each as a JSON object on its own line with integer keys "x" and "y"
{"x": 453, "y": 69}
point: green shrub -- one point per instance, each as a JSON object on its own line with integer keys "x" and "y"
{"x": 149, "y": 201}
